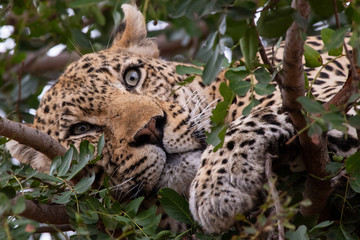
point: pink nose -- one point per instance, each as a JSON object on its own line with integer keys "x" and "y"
{"x": 152, "y": 132}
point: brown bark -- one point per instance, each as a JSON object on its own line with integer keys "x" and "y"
{"x": 45, "y": 213}
{"x": 31, "y": 137}
{"x": 314, "y": 155}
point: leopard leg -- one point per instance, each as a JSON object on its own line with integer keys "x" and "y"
{"x": 229, "y": 181}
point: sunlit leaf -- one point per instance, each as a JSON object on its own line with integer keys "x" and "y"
{"x": 183, "y": 69}
{"x": 312, "y": 57}
{"x": 326, "y": 36}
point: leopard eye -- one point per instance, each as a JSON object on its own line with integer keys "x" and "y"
{"x": 80, "y": 128}
{"x": 132, "y": 77}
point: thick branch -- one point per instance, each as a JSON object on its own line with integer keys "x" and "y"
{"x": 45, "y": 213}
{"x": 315, "y": 155}
{"x": 350, "y": 87}
{"x": 31, "y": 137}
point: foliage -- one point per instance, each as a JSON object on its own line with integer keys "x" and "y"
{"x": 86, "y": 26}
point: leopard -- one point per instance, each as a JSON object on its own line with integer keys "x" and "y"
{"x": 155, "y": 136}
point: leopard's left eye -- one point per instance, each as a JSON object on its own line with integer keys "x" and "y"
{"x": 132, "y": 77}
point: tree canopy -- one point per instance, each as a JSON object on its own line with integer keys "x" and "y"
{"x": 38, "y": 39}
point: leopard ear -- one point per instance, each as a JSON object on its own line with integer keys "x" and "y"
{"x": 131, "y": 34}
{"x": 28, "y": 155}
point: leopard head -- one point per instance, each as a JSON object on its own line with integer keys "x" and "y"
{"x": 153, "y": 138}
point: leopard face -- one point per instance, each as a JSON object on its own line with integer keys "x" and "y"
{"x": 153, "y": 138}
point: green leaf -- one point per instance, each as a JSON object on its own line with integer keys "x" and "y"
{"x": 213, "y": 66}
{"x": 236, "y": 29}
{"x": 164, "y": 235}
{"x": 226, "y": 93}
{"x": 132, "y": 207}
{"x": 100, "y": 145}
{"x": 82, "y": 3}
{"x": 264, "y": 89}
{"x": 216, "y": 136}
{"x": 324, "y": 8}
{"x": 274, "y": 23}
{"x": 62, "y": 198}
{"x": 313, "y": 58}
{"x": 175, "y": 205}
{"x": 9, "y": 191}
{"x": 334, "y": 40}
{"x": 146, "y": 217}
{"x": 220, "y": 112}
{"x": 187, "y": 81}
{"x": 238, "y": 86}
{"x": 84, "y": 184}
{"x": 65, "y": 163}
{"x": 183, "y": 69}
{"x": 109, "y": 221}
{"x": 54, "y": 165}
{"x": 84, "y": 157}
{"x": 354, "y": 121}
{"x": 253, "y": 103}
{"x": 355, "y": 182}
{"x": 19, "y": 206}
{"x": 48, "y": 178}
{"x": 98, "y": 15}
{"x": 262, "y": 75}
{"x": 249, "y": 45}
{"x": 315, "y": 129}
{"x": 352, "y": 163}
{"x": 335, "y": 119}
{"x": 4, "y": 203}
{"x": 322, "y": 225}
{"x": 222, "y": 26}
{"x": 152, "y": 226}
{"x": 299, "y": 234}
{"x": 181, "y": 9}
{"x": 326, "y": 36}
{"x": 333, "y": 167}
{"x": 310, "y": 105}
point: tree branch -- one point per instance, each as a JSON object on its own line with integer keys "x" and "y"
{"x": 31, "y": 137}
{"x": 315, "y": 156}
{"x": 44, "y": 213}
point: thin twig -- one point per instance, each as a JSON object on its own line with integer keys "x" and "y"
{"x": 274, "y": 194}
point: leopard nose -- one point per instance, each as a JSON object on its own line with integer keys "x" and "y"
{"x": 152, "y": 132}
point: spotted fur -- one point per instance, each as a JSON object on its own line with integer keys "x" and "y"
{"x": 155, "y": 139}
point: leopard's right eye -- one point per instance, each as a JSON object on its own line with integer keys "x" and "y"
{"x": 80, "y": 128}
{"x": 132, "y": 77}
